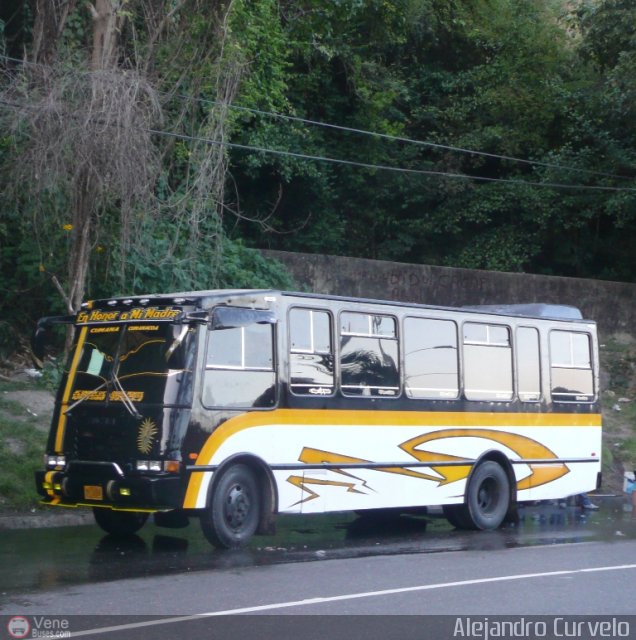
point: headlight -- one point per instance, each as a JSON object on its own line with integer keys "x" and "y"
{"x": 170, "y": 466}
{"x": 54, "y": 461}
{"x": 149, "y": 465}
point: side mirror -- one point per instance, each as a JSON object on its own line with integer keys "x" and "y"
{"x": 234, "y": 317}
{"x": 41, "y": 334}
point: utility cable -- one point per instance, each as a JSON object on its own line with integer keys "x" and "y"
{"x": 383, "y": 136}
{"x": 381, "y": 167}
{"x": 365, "y": 165}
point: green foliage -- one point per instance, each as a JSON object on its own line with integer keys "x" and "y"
{"x": 156, "y": 267}
{"x": 52, "y": 373}
{"x": 548, "y": 80}
{"x": 21, "y": 446}
{"x": 3, "y": 44}
{"x": 27, "y": 262}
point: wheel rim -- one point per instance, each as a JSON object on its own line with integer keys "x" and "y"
{"x": 237, "y": 507}
{"x": 488, "y": 495}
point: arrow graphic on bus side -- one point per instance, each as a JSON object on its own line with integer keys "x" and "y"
{"x": 301, "y": 483}
{"x": 318, "y": 456}
{"x": 524, "y": 447}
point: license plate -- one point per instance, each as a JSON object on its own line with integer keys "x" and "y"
{"x": 93, "y": 492}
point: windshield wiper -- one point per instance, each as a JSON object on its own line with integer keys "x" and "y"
{"x": 177, "y": 342}
{"x": 125, "y": 398}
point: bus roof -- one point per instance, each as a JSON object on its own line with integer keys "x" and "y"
{"x": 263, "y": 297}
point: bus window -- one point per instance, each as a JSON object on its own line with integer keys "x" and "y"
{"x": 240, "y": 367}
{"x": 368, "y": 355}
{"x": 487, "y": 362}
{"x": 311, "y": 352}
{"x": 571, "y": 367}
{"x": 98, "y": 352}
{"x": 528, "y": 364}
{"x": 430, "y": 358}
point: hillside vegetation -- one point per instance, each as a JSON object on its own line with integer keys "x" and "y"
{"x": 150, "y": 145}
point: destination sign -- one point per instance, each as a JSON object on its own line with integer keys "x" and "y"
{"x": 136, "y": 314}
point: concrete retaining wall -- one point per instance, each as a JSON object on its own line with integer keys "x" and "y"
{"x": 611, "y": 304}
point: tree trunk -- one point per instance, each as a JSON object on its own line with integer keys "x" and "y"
{"x": 106, "y": 26}
{"x": 81, "y": 241}
{"x": 50, "y": 19}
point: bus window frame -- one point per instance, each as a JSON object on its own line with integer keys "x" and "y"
{"x": 396, "y": 338}
{"x": 459, "y": 370}
{"x": 487, "y": 322}
{"x": 334, "y": 354}
{"x": 540, "y": 363}
{"x": 208, "y": 330}
{"x": 593, "y": 368}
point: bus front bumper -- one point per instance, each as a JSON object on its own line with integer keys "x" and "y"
{"x": 157, "y": 492}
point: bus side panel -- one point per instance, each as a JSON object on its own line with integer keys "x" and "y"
{"x": 321, "y": 459}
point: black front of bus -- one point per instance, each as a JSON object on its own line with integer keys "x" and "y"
{"x": 122, "y": 411}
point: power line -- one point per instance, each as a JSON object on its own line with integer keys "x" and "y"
{"x": 380, "y": 167}
{"x": 384, "y": 136}
{"x": 365, "y": 165}
{"x": 424, "y": 143}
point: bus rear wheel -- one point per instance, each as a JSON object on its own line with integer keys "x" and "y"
{"x": 488, "y": 496}
{"x": 487, "y": 499}
{"x": 119, "y": 523}
{"x": 234, "y": 510}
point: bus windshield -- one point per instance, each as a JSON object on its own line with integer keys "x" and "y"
{"x": 149, "y": 363}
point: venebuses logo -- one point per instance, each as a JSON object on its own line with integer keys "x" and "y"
{"x": 18, "y": 627}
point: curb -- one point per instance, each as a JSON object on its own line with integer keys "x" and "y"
{"x": 37, "y": 519}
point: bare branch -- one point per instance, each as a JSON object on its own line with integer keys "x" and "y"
{"x": 93, "y": 10}
{"x": 86, "y": 141}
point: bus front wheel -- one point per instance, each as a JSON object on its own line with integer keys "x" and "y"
{"x": 232, "y": 516}
{"x": 119, "y": 523}
{"x": 457, "y": 515}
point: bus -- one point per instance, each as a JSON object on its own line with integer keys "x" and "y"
{"x": 233, "y": 406}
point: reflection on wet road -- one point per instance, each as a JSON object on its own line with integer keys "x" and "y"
{"x": 38, "y": 559}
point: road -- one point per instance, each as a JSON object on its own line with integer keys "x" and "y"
{"x": 555, "y": 563}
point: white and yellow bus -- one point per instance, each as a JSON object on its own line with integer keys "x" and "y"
{"x": 234, "y": 406}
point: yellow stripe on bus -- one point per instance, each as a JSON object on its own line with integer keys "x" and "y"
{"x": 370, "y": 419}
{"x": 61, "y": 423}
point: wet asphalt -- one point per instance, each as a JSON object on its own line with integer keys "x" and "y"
{"x": 33, "y": 560}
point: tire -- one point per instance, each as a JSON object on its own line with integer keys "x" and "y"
{"x": 233, "y": 514}
{"x": 487, "y": 496}
{"x": 119, "y": 523}
{"x": 457, "y": 515}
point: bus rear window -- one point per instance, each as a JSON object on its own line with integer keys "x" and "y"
{"x": 571, "y": 367}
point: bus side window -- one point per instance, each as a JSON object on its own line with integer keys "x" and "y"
{"x": 368, "y": 355}
{"x": 528, "y": 364}
{"x": 572, "y": 378}
{"x": 487, "y": 362}
{"x": 431, "y": 367}
{"x": 311, "y": 352}
{"x": 239, "y": 368}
